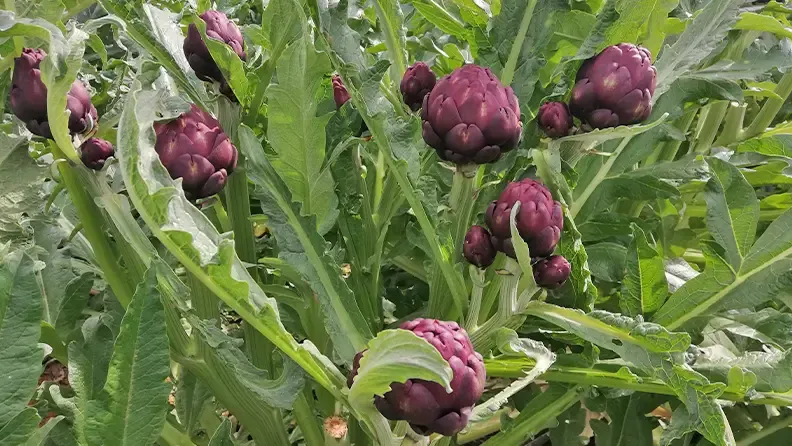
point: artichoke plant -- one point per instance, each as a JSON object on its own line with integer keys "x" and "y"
{"x": 94, "y": 152}
{"x": 551, "y": 272}
{"x": 477, "y": 247}
{"x": 424, "y": 404}
{"x": 340, "y": 93}
{"x": 615, "y": 87}
{"x": 539, "y": 220}
{"x": 417, "y": 82}
{"x": 218, "y": 27}
{"x": 29, "y": 98}
{"x": 194, "y": 148}
{"x": 554, "y": 119}
{"x": 470, "y": 117}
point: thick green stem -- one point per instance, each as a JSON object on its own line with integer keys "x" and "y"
{"x": 478, "y": 278}
{"x": 771, "y": 107}
{"x": 507, "y": 76}
{"x": 94, "y": 229}
{"x": 732, "y": 125}
{"x": 484, "y": 428}
{"x": 710, "y": 126}
{"x": 507, "y": 306}
{"x": 308, "y": 422}
{"x": 461, "y": 203}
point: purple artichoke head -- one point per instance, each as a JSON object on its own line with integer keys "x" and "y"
{"x": 615, "y": 87}
{"x": 424, "y": 404}
{"x": 554, "y": 119}
{"x": 470, "y": 117}
{"x": 417, "y": 82}
{"x": 94, "y": 152}
{"x": 551, "y": 272}
{"x": 218, "y": 27}
{"x": 539, "y": 220}
{"x": 194, "y": 148}
{"x": 340, "y": 93}
{"x": 477, "y": 248}
{"x": 29, "y": 97}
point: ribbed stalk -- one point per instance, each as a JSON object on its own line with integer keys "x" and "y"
{"x": 771, "y": 107}
{"x": 309, "y": 423}
{"x": 709, "y": 126}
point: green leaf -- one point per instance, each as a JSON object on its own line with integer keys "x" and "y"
{"x": 20, "y": 326}
{"x": 440, "y": 17}
{"x": 131, "y": 408}
{"x": 297, "y": 135}
{"x": 707, "y": 30}
{"x": 772, "y": 369}
{"x": 40, "y": 436}
{"x": 732, "y": 210}
{"x": 304, "y": 248}
{"x": 768, "y": 325}
{"x": 222, "y": 436}
{"x": 391, "y": 24}
{"x": 637, "y": 17}
{"x": 232, "y": 67}
{"x": 188, "y": 234}
{"x": 645, "y": 287}
{"x": 629, "y": 425}
{"x": 19, "y": 428}
{"x": 752, "y": 21}
{"x": 509, "y": 343}
{"x": 607, "y": 261}
{"x": 394, "y": 356}
{"x": 193, "y": 399}
{"x": 571, "y": 425}
{"x": 21, "y": 194}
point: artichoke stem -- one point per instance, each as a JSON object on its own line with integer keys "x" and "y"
{"x": 478, "y": 277}
{"x": 771, "y": 107}
{"x": 709, "y": 127}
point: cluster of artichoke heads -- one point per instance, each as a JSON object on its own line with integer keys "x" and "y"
{"x": 29, "y": 104}
{"x": 613, "y": 88}
{"x": 539, "y": 221}
{"x": 424, "y": 404}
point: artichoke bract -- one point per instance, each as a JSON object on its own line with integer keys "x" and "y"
{"x": 94, "y": 152}
{"x": 554, "y": 119}
{"x": 477, "y": 247}
{"x": 417, "y": 82}
{"x": 539, "y": 220}
{"x": 551, "y": 272}
{"x": 218, "y": 27}
{"x": 29, "y": 97}
{"x": 194, "y": 148}
{"x": 424, "y": 404}
{"x": 469, "y": 117}
{"x": 615, "y": 87}
{"x": 340, "y": 93}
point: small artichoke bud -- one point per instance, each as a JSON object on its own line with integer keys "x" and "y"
{"x": 477, "y": 248}
{"x": 554, "y": 119}
{"x": 340, "y": 93}
{"x": 424, "y": 404}
{"x": 469, "y": 117}
{"x": 94, "y": 152}
{"x": 194, "y": 148}
{"x": 539, "y": 220}
{"x": 551, "y": 272}
{"x": 417, "y": 82}
{"x": 218, "y": 27}
{"x": 615, "y": 87}
{"x": 29, "y": 98}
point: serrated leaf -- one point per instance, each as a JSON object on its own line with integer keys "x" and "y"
{"x": 19, "y": 428}
{"x": 628, "y": 426}
{"x": 645, "y": 288}
{"x": 297, "y": 135}
{"x": 131, "y": 408}
{"x": 20, "y": 315}
{"x": 732, "y": 210}
{"x": 607, "y": 261}
{"x": 394, "y": 356}
{"x": 701, "y": 36}
{"x": 571, "y": 425}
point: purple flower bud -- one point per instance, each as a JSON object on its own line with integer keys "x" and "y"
{"x": 340, "y": 93}
{"x": 478, "y": 249}
{"x": 554, "y": 119}
{"x": 417, "y": 82}
{"x": 94, "y": 152}
{"x": 194, "y": 148}
{"x": 551, "y": 272}
{"x": 218, "y": 27}
{"x": 470, "y": 117}
{"x": 615, "y": 87}
{"x": 539, "y": 220}
{"x": 29, "y": 97}
{"x": 424, "y": 404}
